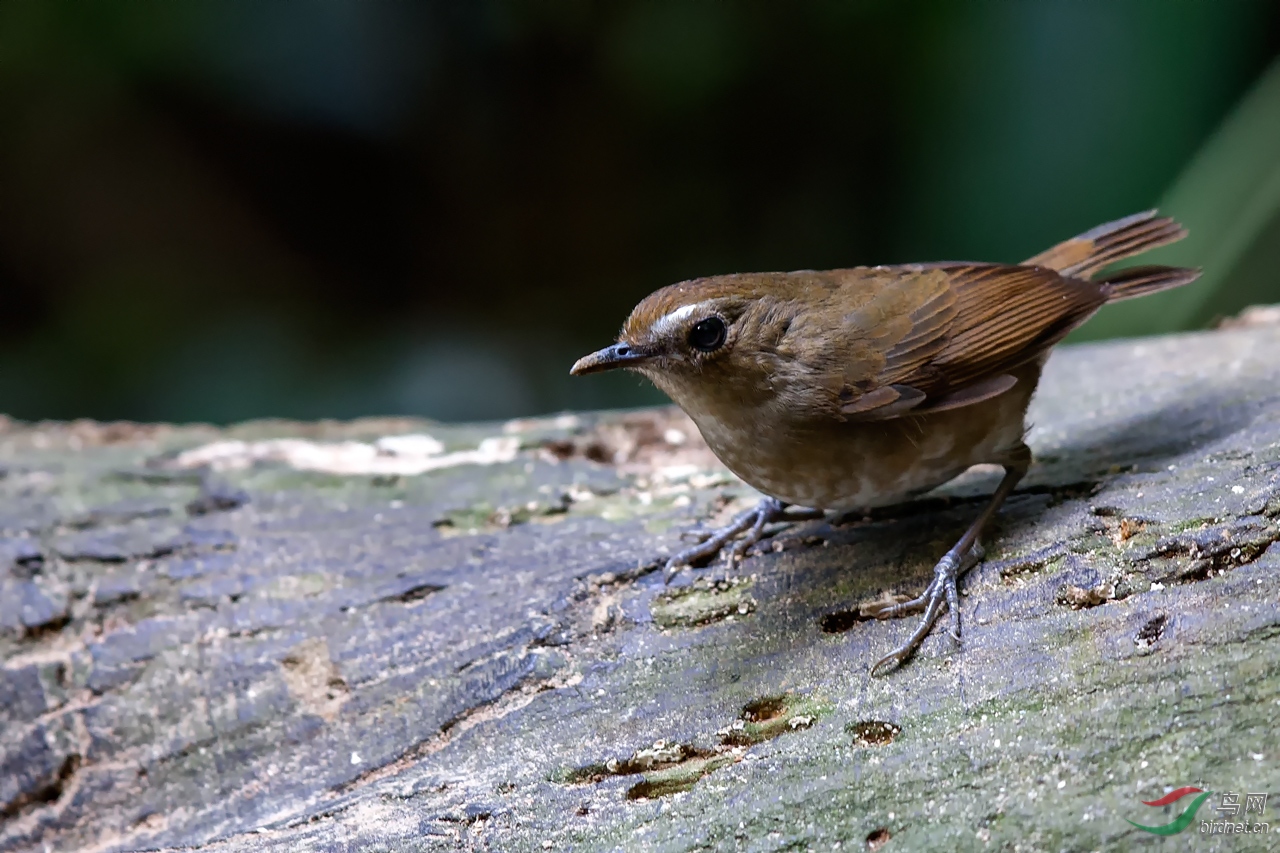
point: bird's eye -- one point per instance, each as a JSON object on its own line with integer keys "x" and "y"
{"x": 707, "y": 335}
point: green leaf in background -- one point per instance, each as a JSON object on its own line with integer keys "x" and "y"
{"x": 1228, "y": 197}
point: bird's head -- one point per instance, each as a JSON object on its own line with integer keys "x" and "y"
{"x": 706, "y": 339}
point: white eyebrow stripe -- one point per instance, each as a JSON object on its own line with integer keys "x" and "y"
{"x": 673, "y": 318}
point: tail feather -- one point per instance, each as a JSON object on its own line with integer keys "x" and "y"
{"x": 1084, "y": 255}
{"x": 1139, "y": 281}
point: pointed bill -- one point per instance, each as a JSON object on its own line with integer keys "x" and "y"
{"x": 610, "y": 358}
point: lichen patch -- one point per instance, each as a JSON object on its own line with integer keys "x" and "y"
{"x": 704, "y": 603}
{"x": 669, "y": 767}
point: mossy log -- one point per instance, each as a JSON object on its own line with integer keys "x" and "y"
{"x": 213, "y": 639}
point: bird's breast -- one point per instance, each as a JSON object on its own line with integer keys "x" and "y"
{"x": 857, "y": 465}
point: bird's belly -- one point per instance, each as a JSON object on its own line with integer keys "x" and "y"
{"x": 848, "y": 472}
{"x": 861, "y": 465}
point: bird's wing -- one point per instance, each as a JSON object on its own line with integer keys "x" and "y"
{"x": 932, "y": 337}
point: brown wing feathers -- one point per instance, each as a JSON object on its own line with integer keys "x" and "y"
{"x": 1005, "y": 313}
{"x": 972, "y": 323}
{"x": 930, "y": 321}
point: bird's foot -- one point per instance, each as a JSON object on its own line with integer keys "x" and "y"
{"x": 941, "y": 590}
{"x": 750, "y": 524}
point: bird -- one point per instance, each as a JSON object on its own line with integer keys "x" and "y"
{"x": 850, "y": 389}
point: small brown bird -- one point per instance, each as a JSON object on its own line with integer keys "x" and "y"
{"x": 858, "y": 388}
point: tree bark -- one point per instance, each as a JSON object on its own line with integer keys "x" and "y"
{"x": 304, "y": 646}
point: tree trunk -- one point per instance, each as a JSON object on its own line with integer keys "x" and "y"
{"x": 213, "y": 640}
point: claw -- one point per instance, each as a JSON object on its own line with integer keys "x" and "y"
{"x": 941, "y": 590}
{"x": 752, "y": 521}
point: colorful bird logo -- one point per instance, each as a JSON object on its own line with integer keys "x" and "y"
{"x": 1183, "y": 820}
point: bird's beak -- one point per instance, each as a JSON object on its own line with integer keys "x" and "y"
{"x": 609, "y": 358}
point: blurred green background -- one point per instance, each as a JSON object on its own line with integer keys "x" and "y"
{"x": 223, "y": 210}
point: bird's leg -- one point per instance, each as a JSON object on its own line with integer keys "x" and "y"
{"x": 752, "y": 521}
{"x": 942, "y": 589}
{"x": 915, "y": 605}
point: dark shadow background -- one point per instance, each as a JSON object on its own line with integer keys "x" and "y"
{"x": 217, "y": 211}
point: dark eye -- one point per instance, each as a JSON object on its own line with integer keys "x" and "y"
{"x": 707, "y": 335}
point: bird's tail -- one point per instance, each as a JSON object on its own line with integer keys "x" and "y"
{"x": 1139, "y": 281}
{"x": 1084, "y": 255}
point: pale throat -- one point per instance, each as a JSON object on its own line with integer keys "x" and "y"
{"x": 731, "y": 425}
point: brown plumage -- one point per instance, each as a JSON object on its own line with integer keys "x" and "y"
{"x": 861, "y": 387}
